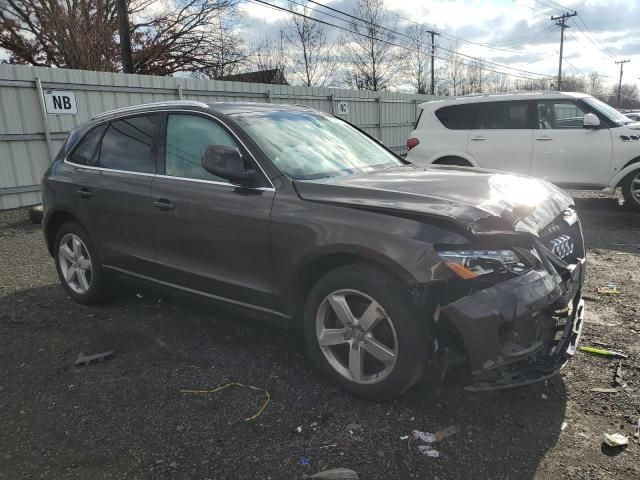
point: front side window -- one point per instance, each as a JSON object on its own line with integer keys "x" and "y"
{"x": 560, "y": 115}
{"x": 128, "y": 144}
{"x": 188, "y": 136}
{"x": 86, "y": 153}
{"x": 457, "y": 117}
{"x": 502, "y": 116}
{"x": 308, "y": 145}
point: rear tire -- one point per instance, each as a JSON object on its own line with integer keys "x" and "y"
{"x": 384, "y": 351}
{"x": 461, "y": 162}
{"x": 78, "y": 265}
{"x": 631, "y": 190}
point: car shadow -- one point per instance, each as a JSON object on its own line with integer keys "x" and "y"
{"x": 165, "y": 344}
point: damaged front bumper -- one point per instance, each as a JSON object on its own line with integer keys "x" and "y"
{"x": 523, "y": 330}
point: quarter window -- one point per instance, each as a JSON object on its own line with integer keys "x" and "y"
{"x": 502, "y": 116}
{"x": 86, "y": 153}
{"x": 188, "y": 136}
{"x": 457, "y": 117}
{"x": 560, "y": 115}
{"x": 128, "y": 144}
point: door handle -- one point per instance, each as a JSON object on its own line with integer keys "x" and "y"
{"x": 163, "y": 204}
{"x": 544, "y": 139}
{"x": 478, "y": 139}
{"x": 85, "y": 193}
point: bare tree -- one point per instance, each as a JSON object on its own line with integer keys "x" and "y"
{"x": 453, "y": 72}
{"x": 310, "y": 57}
{"x": 372, "y": 57}
{"x": 418, "y": 63}
{"x": 228, "y": 55}
{"x": 82, "y": 34}
{"x": 474, "y": 73}
{"x": 595, "y": 84}
{"x": 268, "y": 52}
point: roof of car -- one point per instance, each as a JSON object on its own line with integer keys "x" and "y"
{"x": 226, "y": 108}
{"x": 499, "y": 97}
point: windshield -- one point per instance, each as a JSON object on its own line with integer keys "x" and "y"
{"x": 308, "y": 145}
{"x": 607, "y": 110}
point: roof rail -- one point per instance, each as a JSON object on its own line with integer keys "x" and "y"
{"x": 134, "y": 108}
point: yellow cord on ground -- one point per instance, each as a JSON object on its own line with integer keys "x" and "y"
{"x": 235, "y": 384}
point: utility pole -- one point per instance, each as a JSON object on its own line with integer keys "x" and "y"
{"x": 621, "y": 63}
{"x": 433, "y": 51}
{"x": 125, "y": 36}
{"x": 560, "y": 21}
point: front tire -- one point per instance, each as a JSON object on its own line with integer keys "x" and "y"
{"x": 78, "y": 265}
{"x": 631, "y": 190}
{"x": 363, "y": 332}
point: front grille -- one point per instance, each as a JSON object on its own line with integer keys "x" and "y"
{"x": 564, "y": 240}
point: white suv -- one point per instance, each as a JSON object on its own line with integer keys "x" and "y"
{"x": 571, "y": 139}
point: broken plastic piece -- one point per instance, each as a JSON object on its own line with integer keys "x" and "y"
{"x": 615, "y": 439}
{"x": 334, "y": 474}
{"x": 404, "y": 437}
{"x": 423, "y": 436}
{"x": 636, "y": 434}
{"x": 428, "y": 437}
{"x": 87, "y": 359}
{"x": 544, "y": 396}
{"x": 235, "y": 384}
{"x": 563, "y": 426}
{"x": 609, "y": 290}
{"x": 617, "y": 379}
{"x": 602, "y": 351}
{"x": 604, "y": 390}
{"x": 428, "y": 451}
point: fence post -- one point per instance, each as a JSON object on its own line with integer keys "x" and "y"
{"x": 179, "y": 92}
{"x": 333, "y": 104}
{"x": 268, "y": 96}
{"x": 379, "y": 100}
{"x": 45, "y": 119}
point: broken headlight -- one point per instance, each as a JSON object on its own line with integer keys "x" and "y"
{"x": 468, "y": 264}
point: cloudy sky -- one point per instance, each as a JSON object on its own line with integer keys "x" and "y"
{"x": 517, "y": 33}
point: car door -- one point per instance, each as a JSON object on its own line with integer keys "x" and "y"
{"x": 212, "y": 237}
{"x": 566, "y": 153}
{"x": 501, "y": 136}
{"x": 114, "y": 165}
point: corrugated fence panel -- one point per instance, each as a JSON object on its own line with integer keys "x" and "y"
{"x": 25, "y": 152}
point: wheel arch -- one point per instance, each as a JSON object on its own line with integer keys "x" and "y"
{"x": 629, "y": 167}
{"x": 53, "y": 222}
{"x": 437, "y": 160}
{"x": 315, "y": 268}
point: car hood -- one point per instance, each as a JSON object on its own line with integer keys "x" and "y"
{"x": 481, "y": 201}
{"x": 633, "y": 126}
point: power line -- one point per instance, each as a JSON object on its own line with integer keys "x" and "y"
{"x": 592, "y": 38}
{"x": 550, "y": 4}
{"x": 561, "y": 21}
{"x": 394, "y": 32}
{"x": 531, "y": 8}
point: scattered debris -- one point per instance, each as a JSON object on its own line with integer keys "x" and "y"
{"x": 615, "y": 439}
{"x": 35, "y": 214}
{"x": 139, "y": 295}
{"x": 304, "y": 461}
{"x": 602, "y": 351}
{"x": 235, "y": 384}
{"x": 427, "y": 437}
{"x": 428, "y": 450}
{"x": 87, "y": 359}
{"x": 544, "y": 396}
{"x": 563, "y": 426}
{"x": 610, "y": 289}
{"x": 334, "y": 474}
{"x": 636, "y": 434}
{"x": 617, "y": 378}
{"x": 298, "y": 429}
{"x": 404, "y": 437}
{"x": 604, "y": 390}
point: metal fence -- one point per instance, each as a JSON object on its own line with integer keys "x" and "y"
{"x": 30, "y": 137}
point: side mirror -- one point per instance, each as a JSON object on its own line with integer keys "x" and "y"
{"x": 226, "y": 162}
{"x": 591, "y": 120}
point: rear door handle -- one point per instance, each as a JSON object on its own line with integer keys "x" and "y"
{"x": 163, "y": 204}
{"x": 478, "y": 139}
{"x": 544, "y": 139}
{"x": 85, "y": 193}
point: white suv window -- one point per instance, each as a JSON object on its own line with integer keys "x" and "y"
{"x": 502, "y": 116}
{"x": 457, "y": 117}
{"x": 560, "y": 115}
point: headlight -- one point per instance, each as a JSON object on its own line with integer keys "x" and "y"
{"x": 469, "y": 264}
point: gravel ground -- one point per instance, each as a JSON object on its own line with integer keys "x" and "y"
{"x": 126, "y": 417}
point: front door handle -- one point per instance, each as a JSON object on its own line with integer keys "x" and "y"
{"x": 163, "y": 204}
{"x": 544, "y": 139}
{"x": 85, "y": 193}
{"x": 478, "y": 139}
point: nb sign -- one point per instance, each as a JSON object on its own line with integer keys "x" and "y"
{"x": 59, "y": 102}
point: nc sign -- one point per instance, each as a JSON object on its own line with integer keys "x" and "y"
{"x": 60, "y": 102}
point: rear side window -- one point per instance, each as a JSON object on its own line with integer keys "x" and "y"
{"x": 128, "y": 144}
{"x": 503, "y": 116}
{"x": 86, "y": 153}
{"x": 457, "y": 117}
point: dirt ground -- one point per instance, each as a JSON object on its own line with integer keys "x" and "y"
{"x": 126, "y": 417}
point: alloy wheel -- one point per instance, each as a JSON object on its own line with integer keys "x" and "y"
{"x": 356, "y": 336}
{"x": 75, "y": 263}
{"x": 635, "y": 187}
